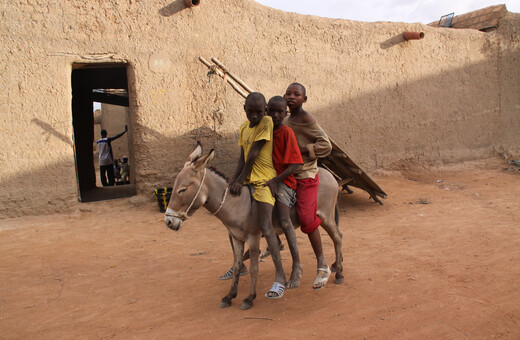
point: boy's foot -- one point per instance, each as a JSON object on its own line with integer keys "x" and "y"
{"x": 321, "y": 278}
{"x": 229, "y": 274}
{"x": 276, "y": 291}
{"x": 296, "y": 275}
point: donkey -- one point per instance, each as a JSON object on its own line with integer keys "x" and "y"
{"x": 196, "y": 186}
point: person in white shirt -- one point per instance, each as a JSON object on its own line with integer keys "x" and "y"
{"x": 106, "y": 158}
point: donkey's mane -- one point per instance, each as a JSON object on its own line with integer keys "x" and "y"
{"x": 215, "y": 170}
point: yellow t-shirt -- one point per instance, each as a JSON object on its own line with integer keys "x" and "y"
{"x": 263, "y": 169}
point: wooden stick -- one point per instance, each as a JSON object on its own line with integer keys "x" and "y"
{"x": 235, "y": 78}
{"x": 345, "y": 181}
{"x": 220, "y": 73}
{"x": 257, "y": 318}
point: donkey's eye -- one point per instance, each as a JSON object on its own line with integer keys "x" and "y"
{"x": 181, "y": 190}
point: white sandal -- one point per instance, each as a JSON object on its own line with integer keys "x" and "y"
{"x": 321, "y": 278}
{"x": 229, "y": 274}
{"x": 276, "y": 290}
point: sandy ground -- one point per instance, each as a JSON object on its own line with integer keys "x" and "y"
{"x": 439, "y": 260}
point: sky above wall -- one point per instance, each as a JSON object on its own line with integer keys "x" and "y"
{"x": 424, "y": 11}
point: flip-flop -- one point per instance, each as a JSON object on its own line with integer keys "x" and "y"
{"x": 277, "y": 290}
{"x": 229, "y": 274}
{"x": 321, "y": 278}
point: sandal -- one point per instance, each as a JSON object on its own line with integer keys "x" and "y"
{"x": 321, "y": 278}
{"x": 229, "y": 274}
{"x": 276, "y": 291}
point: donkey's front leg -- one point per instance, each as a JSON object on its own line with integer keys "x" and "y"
{"x": 254, "y": 250}
{"x": 238, "y": 253}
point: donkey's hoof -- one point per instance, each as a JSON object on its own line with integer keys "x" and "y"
{"x": 225, "y": 302}
{"x": 339, "y": 280}
{"x": 246, "y": 304}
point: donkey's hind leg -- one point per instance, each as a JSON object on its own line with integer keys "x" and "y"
{"x": 254, "y": 251}
{"x": 238, "y": 253}
{"x": 331, "y": 227}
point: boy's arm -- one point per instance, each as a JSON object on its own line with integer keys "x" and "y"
{"x": 251, "y": 158}
{"x": 240, "y": 175}
{"x": 287, "y": 172}
{"x": 119, "y": 135}
{"x": 273, "y": 183}
{"x": 235, "y": 186}
{"x": 322, "y": 146}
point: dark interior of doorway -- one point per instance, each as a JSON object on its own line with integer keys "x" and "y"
{"x": 85, "y": 79}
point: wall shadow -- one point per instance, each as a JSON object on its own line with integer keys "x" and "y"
{"x": 172, "y": 8}
{"x": 51, "y": 131}
{"x": 156, "y": 167}
{"x": 454, "y": 115}
{"x": 392, "y": 41}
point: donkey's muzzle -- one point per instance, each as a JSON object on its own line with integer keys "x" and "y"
{"x": 173, "y": 219}
{"x": 172, "y": 222}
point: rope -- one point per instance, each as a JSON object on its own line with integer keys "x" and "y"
{"x": 223, "y": 200}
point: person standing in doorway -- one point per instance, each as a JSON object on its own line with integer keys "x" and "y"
{"x": 106, "y": 158}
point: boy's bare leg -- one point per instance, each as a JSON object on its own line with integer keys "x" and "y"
{"x": 284, "y": 216}
{"x": 265, "y": 211}
{"x": 315, "y": 239}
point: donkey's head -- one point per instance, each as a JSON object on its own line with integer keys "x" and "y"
{"x": 188, "y": 192}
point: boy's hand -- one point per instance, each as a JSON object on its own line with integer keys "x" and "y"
{"x": 273, "y": 186}
{"x": 235, "y": 188}
{"x": 126, "y": 127}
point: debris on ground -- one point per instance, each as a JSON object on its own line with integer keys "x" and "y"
{"x": 421, "y": 201}
{"x": 513, "y": 164}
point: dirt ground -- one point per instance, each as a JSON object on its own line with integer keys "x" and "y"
{"x": 440, "y": 259}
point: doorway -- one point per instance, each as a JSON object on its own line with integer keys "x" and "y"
{"x": 103, "y": 87}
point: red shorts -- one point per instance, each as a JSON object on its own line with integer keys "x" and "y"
{"x": 307, "y": 203}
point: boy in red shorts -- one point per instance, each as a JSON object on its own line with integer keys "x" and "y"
{"x": 313, "y": 143}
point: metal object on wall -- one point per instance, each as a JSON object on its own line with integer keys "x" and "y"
{"x": 191, "y": 3}
{"x": 413, "y": 35}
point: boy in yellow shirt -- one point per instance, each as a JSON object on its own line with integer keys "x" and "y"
{"x": 255, "y": 168}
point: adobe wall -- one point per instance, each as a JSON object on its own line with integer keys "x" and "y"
{"x": 449, "y": 97}
{"x": 509, "y": 72}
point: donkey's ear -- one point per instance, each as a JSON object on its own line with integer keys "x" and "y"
{"x": 196, "y": 153}
{"x": 210, "y": 156}
{"x": 203, "y": 161}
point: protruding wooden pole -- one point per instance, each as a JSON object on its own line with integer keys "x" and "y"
{"x": 235, "y": 78}
{"x": 220, "y": 73}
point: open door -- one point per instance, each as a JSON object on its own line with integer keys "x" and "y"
{"x": 105, "y": 84}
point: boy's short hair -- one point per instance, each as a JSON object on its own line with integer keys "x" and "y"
{"x": 103, "y": 132}
{"x": 278, "y": 99}
{"x": 304, "y": 90}
{"x": 256, "y": 96}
